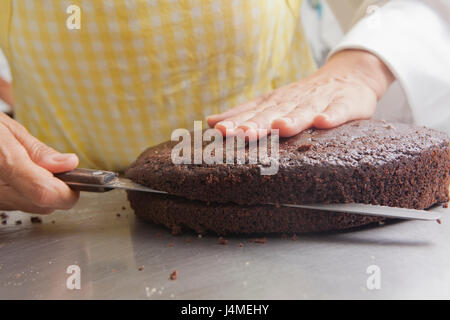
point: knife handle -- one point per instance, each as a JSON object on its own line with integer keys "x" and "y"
{"x": 88, "y": 180}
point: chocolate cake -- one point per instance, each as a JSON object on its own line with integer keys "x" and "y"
{"x": 366, "y": 161}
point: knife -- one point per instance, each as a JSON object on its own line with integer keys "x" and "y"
{"x": 102, "y": 181}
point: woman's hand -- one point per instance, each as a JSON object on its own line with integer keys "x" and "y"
{"x": 26, "y": 167}
{"x": 346, "y": 88}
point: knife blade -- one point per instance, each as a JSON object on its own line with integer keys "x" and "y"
{"x": 102, "y": 181}
{"x": 372, "y": 210}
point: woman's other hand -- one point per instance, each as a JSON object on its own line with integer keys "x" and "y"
{"x": 346, "y": 88}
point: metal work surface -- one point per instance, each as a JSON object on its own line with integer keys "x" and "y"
{"x": 121, "y": 257}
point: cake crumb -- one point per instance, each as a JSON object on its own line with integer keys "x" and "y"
{"x": 222, "y": 241}
{"x": 123, "y": 208}
{"x": 445, "y": 205}
{"x": 176, "y": 230}
{"x": 304, "y": 148}
{"x": 18, "y": 222}
{"x": 258, "y": 240}
{"x": 240, "y": 245}
{"x": 118, "y": 215}
{"x": 174, "y": 275}
{"x": 439, "y": 221}
{"x": 53, "y": 221}
{"x": 35, "y": 220}
{"x": 141, "y": 268}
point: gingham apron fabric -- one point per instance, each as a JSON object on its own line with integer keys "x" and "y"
{"x": 138, "y": 69}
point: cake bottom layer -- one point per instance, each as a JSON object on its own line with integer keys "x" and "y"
{"x": 180, "y": 214}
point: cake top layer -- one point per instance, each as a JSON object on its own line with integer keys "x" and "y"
{"x": 311, "y": 157}
{"x": 367, "y": 141}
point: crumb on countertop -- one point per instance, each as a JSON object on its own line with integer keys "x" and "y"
{"x": 258, "y": 240}
{"x": 174, "y": 275}
{"x": 222, "y": 241}
{"x": 18, "y": 222}
{"x": 36, "y": 220}
{"x": 141, "y": 268}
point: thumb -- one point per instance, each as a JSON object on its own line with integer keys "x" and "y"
{"x": 56, "y": 162}
{"x": 45, "y": 156}
{"x": 50, "y": 159}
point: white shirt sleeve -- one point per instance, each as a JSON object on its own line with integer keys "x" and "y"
{"x": 412, "y": 37}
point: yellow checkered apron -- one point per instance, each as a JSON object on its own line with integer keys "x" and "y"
{"x": 138, "y": 69}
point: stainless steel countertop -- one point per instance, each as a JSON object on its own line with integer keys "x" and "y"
{"x": 414, "y": 259}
